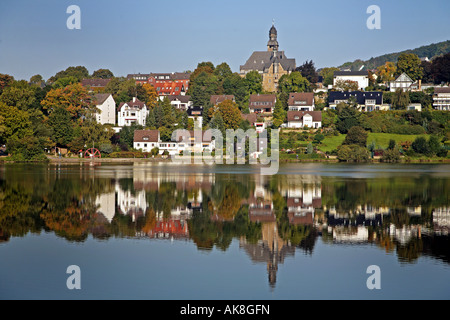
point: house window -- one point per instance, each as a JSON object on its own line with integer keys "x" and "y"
{"x": 145, "y": 145}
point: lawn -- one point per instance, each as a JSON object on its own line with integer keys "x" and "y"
{"x": 381, "y": 140}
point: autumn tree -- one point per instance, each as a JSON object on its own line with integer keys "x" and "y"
{"x": 5, "y": 81}
{"x": 230, "y": 114}
{"x": 151, "y": 95}
{"x": 385, "y": 73}
{"x": 73, "y": 98}
{"x": 346, "y": 85}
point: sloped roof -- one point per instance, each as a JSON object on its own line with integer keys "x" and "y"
{"x": 270, "y": 98}
{"x": 251, "y": 117}
{"x": 263, "y": 60}
{"x": 135, "y": 103}
{"x": 307, "y": 97}
{"x": 403, "y": 78}
{"x": 216, "y": 99}
{"x": 316, "y": 115}
{"x": 181, "y": 98}
{"x": 146, "y": 136}
{"x": 101, "y": 97}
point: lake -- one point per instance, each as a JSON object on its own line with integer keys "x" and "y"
{"x": 161, "y": 231}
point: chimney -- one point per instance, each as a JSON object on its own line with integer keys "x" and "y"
{"x": 134, "y": 99}
{"x": 420, "y": 84}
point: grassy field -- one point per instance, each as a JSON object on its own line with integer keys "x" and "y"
{"x": 380, "y": 139}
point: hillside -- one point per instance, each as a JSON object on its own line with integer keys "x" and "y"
{"x": 429, "y": 51}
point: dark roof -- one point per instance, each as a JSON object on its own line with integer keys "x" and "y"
{"x": 181, "y": 98}
{"x": 146, "y": 136}
{"x": 195, "y": 111}
{"x": 263, "y": 60}
{"x": 216, "y": 99}
{"x": 442, "y": 90}
{"x": 101, "y": 97}
{"x": 360, "y": 96}
{"x": 95, "y": 82}
{"x": 351, "y": 73}
{"x": 307, "y": 97}
{"x": 291, "y": 115}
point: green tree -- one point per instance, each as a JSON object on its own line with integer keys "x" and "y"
{"x": 13, "y": 123}
{"x": 347, "y": 118}
{"x": 409, "y": 63}
{"x": 420, "y": 145}
{"x": 253, "y": 82}
{"x": 61, "y": 125}
{"x": 356, "y": 136}
{"x": 5, "y": 81}
{"x": 328, "y": 75}
{"x": 78, "y": 72}
{"x": 279, "y": 114}
{"x": 294, "y": 82}
{"x": 353, "y": 153}
{"x": 102, "y": 74}
{"x": 400, "y": 99}
{"x": 20, "y": 94}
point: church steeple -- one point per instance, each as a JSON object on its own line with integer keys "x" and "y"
{"x": 272, "y": 45}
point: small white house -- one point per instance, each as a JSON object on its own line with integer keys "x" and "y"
{"x": 107, "y": 107}
{"x": 146, "y": 140}
{"x": 361, "y": 77}
{"x": 304, "y": 119}
{"x": 403, "y": 82}
{"x": 133, "y": 112}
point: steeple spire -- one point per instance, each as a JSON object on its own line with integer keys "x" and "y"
{"x": 272, "y": 45}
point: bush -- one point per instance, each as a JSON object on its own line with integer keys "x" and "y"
{"x": 130, "y": 154}
{"x": 353, "y": 153}
{"x": 391, "y": 155}
{"x": 356, "y": 135}
{"x": 27, "y": 148}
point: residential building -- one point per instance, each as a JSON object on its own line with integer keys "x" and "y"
{"x": 196, "y": 114}
{"x": 258, "y": 124}
{"x": 133, "y": 112}
{"x": 414, "y": 106}
{"x": 361, "y": 77}
{"x": 95, "y": 85}
{"x": 107, "y": 107}
{"x": 216, "y": 99}
{"x": 175, "y": 83}
{"x": 271, "y": 64}
{"x": 441, "y": 98}
{"x": 403, "y": 82}
{"x": 146, "y": 140}
{"x": 301, "y": 101}
{"x": 365, "y": 101}
{"x": 304, "y": 119}
{"x": 262, "y": 103}
{"x": 179, "y": 101}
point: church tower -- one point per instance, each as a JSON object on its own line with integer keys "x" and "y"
{"x": 272, "y": 45}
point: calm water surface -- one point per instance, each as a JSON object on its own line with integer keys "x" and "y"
{"x": 160, "y": 231}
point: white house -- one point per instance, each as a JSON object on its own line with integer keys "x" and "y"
{"x": 107, "y": 106}
{"x": 133, "y": 112}
{"x": 403, "y": 82}
{"x": 304, "y": 119}
{"x": 179, "y": 102}
{"x": 361, "y": 77}
{"x": 301, "y": 101}
{"x": 146, "y": 140}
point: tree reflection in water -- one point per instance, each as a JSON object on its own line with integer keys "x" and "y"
{"x": 271, "y": 217}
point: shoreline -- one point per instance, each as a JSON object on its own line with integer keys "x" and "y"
{"x": 57, "y": 160}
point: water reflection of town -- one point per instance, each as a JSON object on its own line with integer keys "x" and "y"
{"x": 270, "y": 217}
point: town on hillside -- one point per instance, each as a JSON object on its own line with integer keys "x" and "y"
{"x": 400, "y": 109}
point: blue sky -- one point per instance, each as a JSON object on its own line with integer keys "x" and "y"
{"x": 167, "y": 36}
